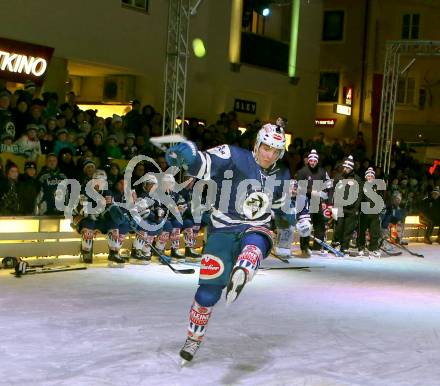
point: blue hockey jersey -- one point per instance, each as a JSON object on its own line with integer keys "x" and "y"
{"x": 246, "y": 194}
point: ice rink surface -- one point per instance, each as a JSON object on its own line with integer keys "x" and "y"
{"x": 345, "y": 322}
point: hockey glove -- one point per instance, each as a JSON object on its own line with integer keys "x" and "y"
{"x": 183, "y": 153}
{"x": 304, "y": 227}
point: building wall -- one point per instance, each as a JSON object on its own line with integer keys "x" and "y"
{"x": 101, "y": 32}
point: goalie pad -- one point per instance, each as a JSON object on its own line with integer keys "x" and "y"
{"x": 283, "y": 241}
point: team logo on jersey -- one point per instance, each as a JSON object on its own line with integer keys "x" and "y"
{"x": 222, "y": 151}
{"x": 211, "y": 267}
{"x": 255, "y": 205}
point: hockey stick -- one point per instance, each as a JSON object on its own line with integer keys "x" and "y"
{"x": 163, "y": 260}
{"x": 304, "y": 267}
{"x": 390, "y": 253}
{"x": 284, "y": 260}
{"x": 173, "y": 138}
{"x": 406, "y": 249}
{"x": 328, "y": 247}
{"x": 34, "y": 271}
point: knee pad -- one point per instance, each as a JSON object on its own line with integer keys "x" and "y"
{"x": 258, "y": 238}
{"x": 208, "y": 295}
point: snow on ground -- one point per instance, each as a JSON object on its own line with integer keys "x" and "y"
{"x": 345, "y": 322}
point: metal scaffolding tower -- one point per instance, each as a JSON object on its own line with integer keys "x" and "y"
{"x": 391, "y": 73}
{"x": 176, "y": 66}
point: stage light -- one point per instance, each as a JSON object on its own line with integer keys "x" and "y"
{"x": 199, "y": 48}
{"x": 265, "y": 12}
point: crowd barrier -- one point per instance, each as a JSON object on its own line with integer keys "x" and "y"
{"x": 42, "y": 236}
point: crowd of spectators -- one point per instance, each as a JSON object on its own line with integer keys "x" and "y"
{"x": 31, "y": 126}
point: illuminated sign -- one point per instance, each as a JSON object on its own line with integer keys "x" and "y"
{"x": 328, "y": 122}
{"x": 20, "y": 61}
{"x": 243, "y": 106}
{"x": 342, "y": 109}
{"x": 347, "y": 93}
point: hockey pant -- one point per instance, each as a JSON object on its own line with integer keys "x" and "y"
{"x": 370, "y": 222}
{"x": 221, "y": 252}
{"x": 318, "y": 221}
{"x": 344, "y": 229}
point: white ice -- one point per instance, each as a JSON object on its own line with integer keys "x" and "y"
{"x": 370, "y": 322}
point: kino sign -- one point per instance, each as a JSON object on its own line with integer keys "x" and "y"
{"x": 14, "y": 62}
{"x": 20, "y": 61}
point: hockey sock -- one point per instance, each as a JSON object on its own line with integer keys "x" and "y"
{"x": 249, "y": 259}
{"x": 198, "y": 321}
{"x": 148, "y": 241}
{"x": 115, "y": 240}
{"x": 188, "y": 236}
{"x": 139, "y": 241}
{"x": 162, "y": 240}
{"x": 86, "y": 240}
{"x": 175, "y": 238}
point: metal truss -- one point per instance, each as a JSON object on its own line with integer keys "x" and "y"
{"x": 394, "y": 50}
{"x": 176, "y": 66}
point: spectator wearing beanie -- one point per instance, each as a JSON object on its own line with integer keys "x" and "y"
{"x": 130, "y": 149}
{"x": 96, "y": 145}
{"x": 80, "y": 144}
{"x": 36, "y": 111}
{"x": 28, "y": 188}
{"x": 46, "y": 140}
{"x": 117, "y": 128}
{"x": 66, "y": 163}
{"x": 62, "y": 142}
{"x": 29, "y": 143}
{"x": 112, "y": 149}
{"x": 6, "y": 120}
{"x": 21, "y": 116}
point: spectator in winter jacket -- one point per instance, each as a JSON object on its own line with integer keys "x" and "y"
{"x": 9, "y": 201}
{"x": 28, "y": 188}
{"x": 29, "y": 143}
{"x": 62, "y": 142}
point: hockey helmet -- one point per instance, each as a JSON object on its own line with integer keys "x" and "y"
{"x": 150, "y": 178}
{"x": 273, "y": 136}
{"x": 100, "y": 175}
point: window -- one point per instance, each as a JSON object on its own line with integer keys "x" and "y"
{"x": 405, "y": 91}
{"x": 333, "y": 26}
{"x": 328, "y": 87}
{"x": 410, "y": 26}
{"x": 140, "y": 5}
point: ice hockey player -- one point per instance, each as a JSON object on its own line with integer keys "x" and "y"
{"x": 238, "y": 238}
{"x": 393, "y": 219}
{"x": 310, "y": 173}
{"x": 285, "y": 225}
{"x": 346, "y": 224}
{"x": 430, "y": 208}
{"x": 368, "y": 222}
{"x": 172, "y": 227}
{"x": 111, "y": 221}
{"x": 139, "y": 212}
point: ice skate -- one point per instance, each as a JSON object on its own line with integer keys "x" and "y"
{"x": 176, "y": 256}
{"x": 236, "y": 284}
{"x": 304, "y": 254}
{"x": 86, "y": 257}
{"x": 115, "y": 260}
{"x": 191, "y": 255}
{"x": 138, "y": 256}
{"x": 189, "y": 349}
